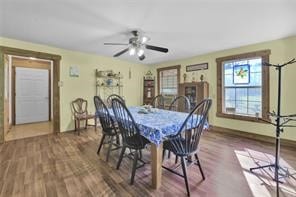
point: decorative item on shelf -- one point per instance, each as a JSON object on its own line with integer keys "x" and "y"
{"x": 148, "y": 75}
{"x": 98, "y": 82}
{"x": 149, "y": 92}
{"x": 193, "y": 76}
{"x": 109, "y": 82}
{"x": 195, "y": 67}
{"x": 118, "y": 75}
{"x": 184, "y": 76}
{"x": 102, "y": 73}
{"x": 201, "y": 77}
{"x": 110, "y": 74}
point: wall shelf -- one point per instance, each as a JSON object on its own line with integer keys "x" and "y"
{"x": 109, "y": 86}
{"x": 107, "y": 83}
{"x": 148, "y": 91}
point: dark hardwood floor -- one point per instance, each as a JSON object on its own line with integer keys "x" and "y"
{"x": 67, "y": 165}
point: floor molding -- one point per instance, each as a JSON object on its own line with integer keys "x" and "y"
{"x": 263, "y": 138}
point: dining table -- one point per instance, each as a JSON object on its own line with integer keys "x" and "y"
{"x": 156, "y": 126}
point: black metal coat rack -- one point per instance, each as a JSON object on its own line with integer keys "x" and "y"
{"x": 281, "y": 121}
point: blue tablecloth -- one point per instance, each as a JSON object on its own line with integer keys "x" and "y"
{"x": 156, "y": 126}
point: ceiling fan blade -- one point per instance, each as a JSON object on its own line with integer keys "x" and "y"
{"x": 121, "y": 52}
{"x": 156, "y": 48}
{"x": 142, "y": 57}
{"x": 108, "y": 43}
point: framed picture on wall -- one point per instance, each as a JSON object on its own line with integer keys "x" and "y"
{"x": 195, "y": 67}
{"x": 74, "y": 71}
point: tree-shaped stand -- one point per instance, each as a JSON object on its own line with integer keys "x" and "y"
{"x": 281, "y": 121}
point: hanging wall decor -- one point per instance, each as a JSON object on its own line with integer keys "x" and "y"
{"x": 74, "y": 71}
{"x": 196, "y": 67}
{"x": 241, "y": 74}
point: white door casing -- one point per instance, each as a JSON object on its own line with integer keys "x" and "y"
{"x": 32, "y": 95}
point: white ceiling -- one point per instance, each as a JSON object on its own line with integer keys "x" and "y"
{"x": 186, "y": 27}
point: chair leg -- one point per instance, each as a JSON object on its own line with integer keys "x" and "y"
{"x": 140, "y": 152}
{"x": 86, "y": 123}
{"x": 117, "y": 140}
{"x": 78, "y": 126}
{"x": 163, "y": 154}
{"x": 101, "y": 144}
{"x": 75, "y": 124}
{"x": 199, "y": 165}
{"x": 184, "y": 168}
{"x": 176, "y": 159}
{"x": 134, "y": 167}
{"x": 169, "y": 155}
{"x": 120, "y": 157}
{"x": 109, "y": 149}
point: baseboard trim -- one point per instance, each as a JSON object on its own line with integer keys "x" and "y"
{"x": 262, "y": 138}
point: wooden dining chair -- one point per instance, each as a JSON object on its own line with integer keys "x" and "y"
{"x": 108, "y": 127}
{"x": 80, "y": 111}
{"x": 180, "y": 104}
{"x": 112, "y": 96}
{"x": 158, "y": 102}
{"x": 131, "y": 137}
{"x": 185, "y": 143}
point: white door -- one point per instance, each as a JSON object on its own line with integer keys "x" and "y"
{"x": 32, "y": 95}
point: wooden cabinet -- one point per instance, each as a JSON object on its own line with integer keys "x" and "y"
{"x": 149, "y": 90}
{"x": 195, "y": 91}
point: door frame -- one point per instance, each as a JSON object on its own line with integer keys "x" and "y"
{"x": 13, "y": 86}
{"x": 56, "y": 78}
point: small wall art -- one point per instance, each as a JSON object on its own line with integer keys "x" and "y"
{"x": 195, "y": 67}
{"x": 74, "y": 71}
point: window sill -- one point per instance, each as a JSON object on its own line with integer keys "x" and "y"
{"x": 239, "y": 117}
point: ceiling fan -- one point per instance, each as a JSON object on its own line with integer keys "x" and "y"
{"x": 137, "y": 45}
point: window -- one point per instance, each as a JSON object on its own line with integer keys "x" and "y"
{"x": 168, "y": 80}
{"x": 243, "y": 86}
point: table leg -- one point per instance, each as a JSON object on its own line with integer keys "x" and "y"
{"x": 156, "y": 162}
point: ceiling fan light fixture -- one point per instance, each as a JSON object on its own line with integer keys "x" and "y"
{"x": 137, "y": 46}
{"x": 140, "y": 52}
{"x": 144, "y": 39}
{"x": 132, "y": 51}
{"x": 142, "y": 57}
